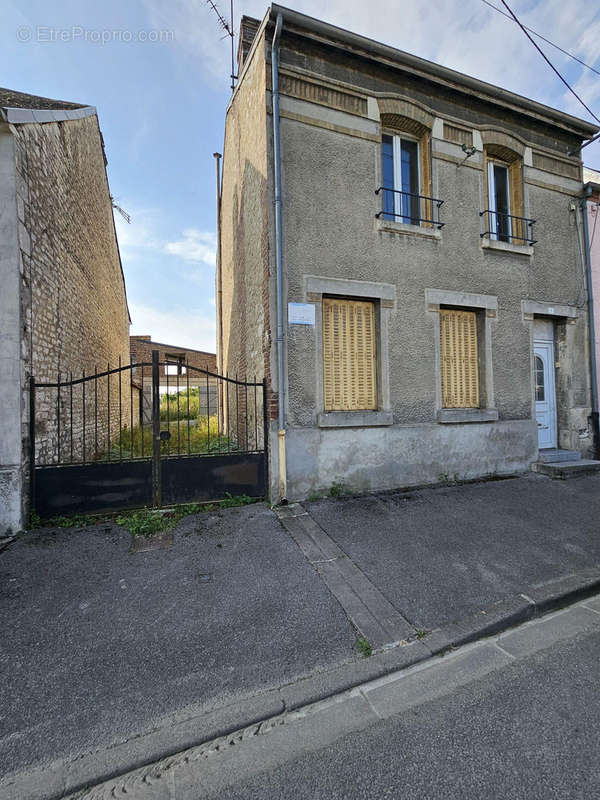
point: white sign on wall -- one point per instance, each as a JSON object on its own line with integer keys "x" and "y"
{"x": 301, "y": 313}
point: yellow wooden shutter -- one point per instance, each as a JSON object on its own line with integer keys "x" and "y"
{"x": 349, "y": 378}
{"x": 460, "y": 368}
{"x": 427, "y": 211}
{"x": 515, "y": 181}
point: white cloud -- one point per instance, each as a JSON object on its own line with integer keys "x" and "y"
{"x": 181, "y": 327}
{"x": 137, "y": 240}
{"x": 195, "y": 245}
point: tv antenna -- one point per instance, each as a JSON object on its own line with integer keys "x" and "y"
{"x": 122, "y": 212}
{"x": 228, "y": 28}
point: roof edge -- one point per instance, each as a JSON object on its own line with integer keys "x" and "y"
{"x": 23, "y": 116}
{"x": 170, "y": 346}
{"x": 436, "y": 72}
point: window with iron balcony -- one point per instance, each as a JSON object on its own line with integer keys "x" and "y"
{"x": 503, "y": 219}
{"x": 406, "y": 187}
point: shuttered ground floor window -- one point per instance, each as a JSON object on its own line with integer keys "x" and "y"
{"x": 459, "y": 361}
{"x": 349, "y": 355}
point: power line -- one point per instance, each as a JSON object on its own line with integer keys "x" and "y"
{"x": 547, "y": 60}
{"x": 543, "y": 38}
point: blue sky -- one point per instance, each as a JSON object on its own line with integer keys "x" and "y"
{"x": 162, "y": 105}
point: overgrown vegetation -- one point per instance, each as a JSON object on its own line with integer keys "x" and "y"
{"x": 182, "y": 404}
{"x": 143, "y": 521}
{"x": 364, "y": 647}
{"x": 337, "y": 489}
{"x": 200, "y": 437}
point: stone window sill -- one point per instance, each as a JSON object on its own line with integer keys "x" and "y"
{"x": 458, "y": 415}
{"x": 389, "y": 226}
{"x": 507, "y": 247}
{"x": 354, "y": 419}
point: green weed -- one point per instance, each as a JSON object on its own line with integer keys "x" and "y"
{"x": 337, "y": 489}
{"x": 364, "y": 647}
{"x": 147, "y": 522}
{"x": 233, "y": 501}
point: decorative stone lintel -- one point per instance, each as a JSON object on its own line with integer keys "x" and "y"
{"x": 434, "y": 298}
{"x": 533, "y": 308}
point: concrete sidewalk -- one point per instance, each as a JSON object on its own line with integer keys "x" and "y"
{"x": 112, "y": 659}
{"x": 443, "y": 554}
{"x": 100, "y": 646}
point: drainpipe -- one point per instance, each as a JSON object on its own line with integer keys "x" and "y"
{"x": 278, "y": 258}
{"x": 592, "y": 323}
{"x": 219, "y": 293}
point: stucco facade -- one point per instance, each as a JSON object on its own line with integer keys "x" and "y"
{"x": 337, "y": 93}
{"x": 65, "y": 308}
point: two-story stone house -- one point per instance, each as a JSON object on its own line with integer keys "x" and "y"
{"x": 399, "y": 256}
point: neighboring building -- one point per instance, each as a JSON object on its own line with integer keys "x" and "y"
{"x": 179, "y": 371}
{"x": 591, "y": 191}
{"x": 432, "y": 282}
{"x": 63, "y": 302}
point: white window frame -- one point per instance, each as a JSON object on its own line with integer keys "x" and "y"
{"x": 493, "y": 220}
{"x": 397, "y": 155}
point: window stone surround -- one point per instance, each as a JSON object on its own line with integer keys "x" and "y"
{"x": 488, "y": 306}
{"x": 384, "y": 295}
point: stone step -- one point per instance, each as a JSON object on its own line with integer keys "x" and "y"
{"x": 555, "y": 455}
{"x": 566, "y": 469}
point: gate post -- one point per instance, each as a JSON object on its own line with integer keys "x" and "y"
{"x": 156, "y": 466}
{"x": 265, "y": 436}
{"x": 31, "y": 444}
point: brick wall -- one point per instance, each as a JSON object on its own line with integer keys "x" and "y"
{"x": 244, "y": 245}
{"x": 141, "y": 351}
{"x": 74, "y": 307}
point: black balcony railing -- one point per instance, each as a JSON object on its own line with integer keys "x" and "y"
{"x": 412, "y": 209}
{"x": 507, "y": 228}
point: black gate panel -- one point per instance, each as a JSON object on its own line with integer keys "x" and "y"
{"x": 191, "y": 479}
{"x": 82, "y": 488}
{"x": 97, "y": 443}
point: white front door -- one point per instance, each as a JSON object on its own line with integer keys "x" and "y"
{"x": 545, "y": 393}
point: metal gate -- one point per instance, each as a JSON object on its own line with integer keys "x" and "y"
{"x": 145, "y": 434}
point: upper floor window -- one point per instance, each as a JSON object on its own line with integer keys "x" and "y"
{"x": 499, "y": 201}
{"x": 175, "y": 365}
{"x": 406, "y": 185}
{"x": 400, "y": 173}
{"x": 504, "y": 214}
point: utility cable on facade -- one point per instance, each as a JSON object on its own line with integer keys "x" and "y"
{"x": 543, "y": 38}
{"x": 547, "y": 60}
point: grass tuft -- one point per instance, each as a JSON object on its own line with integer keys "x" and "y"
{"x": 364, "y": 647}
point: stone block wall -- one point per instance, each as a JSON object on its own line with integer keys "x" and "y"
{"x": 74, "y": 307}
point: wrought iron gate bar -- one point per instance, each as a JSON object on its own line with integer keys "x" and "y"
{"x": 117, "y": 456}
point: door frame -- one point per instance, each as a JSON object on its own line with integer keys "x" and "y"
{"x": 549, "y": 386}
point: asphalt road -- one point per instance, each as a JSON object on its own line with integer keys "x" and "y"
{"x": 530, "y": 730}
